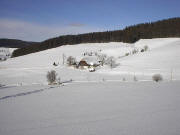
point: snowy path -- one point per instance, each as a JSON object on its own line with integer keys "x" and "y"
{"x": 24, "y": 93}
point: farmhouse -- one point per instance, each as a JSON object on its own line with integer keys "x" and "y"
{"x": 89, "y": 62}
{"x": 83, "y": 63}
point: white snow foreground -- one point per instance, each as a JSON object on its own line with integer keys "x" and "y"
{"x": 106, "y": 108}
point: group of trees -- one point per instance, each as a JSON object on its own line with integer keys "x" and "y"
{"x": 52, "y": 78}
{"x": 14, "y": 43}
{"x": 101, "y": 58}
{"x": 131, "y": 34}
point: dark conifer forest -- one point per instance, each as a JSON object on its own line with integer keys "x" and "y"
{"x": 14, "y": 43}
{"x": 160, "y": 29}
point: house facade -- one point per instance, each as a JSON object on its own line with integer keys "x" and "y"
{"x": 89, "y": 62}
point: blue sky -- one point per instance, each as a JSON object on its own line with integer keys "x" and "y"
{"x": 37, "y": 20}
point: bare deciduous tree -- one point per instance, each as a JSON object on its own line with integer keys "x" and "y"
{"x": 64, "y": 57}
{"x": 102, "y": 59}
{"x": 146, "y": 48}
{"x": 71, "y": 60}
{"x": 51, "y": 76}
{"x": 111, "y": 62}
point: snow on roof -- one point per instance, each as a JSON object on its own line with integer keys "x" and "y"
{"x": 91, "y": 60}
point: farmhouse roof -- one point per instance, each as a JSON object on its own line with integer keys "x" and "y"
{"x": 91, "y": 60}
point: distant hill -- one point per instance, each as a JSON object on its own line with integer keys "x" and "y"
{"x": 14, "y": 43}
{"x": 160, "y": 29}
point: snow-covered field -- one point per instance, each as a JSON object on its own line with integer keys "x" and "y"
{"x": 107, "y": 101}
{"x": 162, "y": 57}
{"x": 104, "y": 108}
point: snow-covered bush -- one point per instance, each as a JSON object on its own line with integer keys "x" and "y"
{"x": 142, "y": 50}
{"x": 111, "y": 62}
{"x": 103, "y": 80}
{"x": 55, "y": 64}
{"x": 102, "y": 58}
{"x": 51, "y": 76}
{"x": 134, "y": 51}
{"x": 71, "y": 61}
{"x": 127, "y": 54}
{"x": 59, "y": 81}
{"x": 123, "y": 79}
{"x": 157, "y": 77}
{"x": 135, "y": 78}
{"x": 146, "y": 48}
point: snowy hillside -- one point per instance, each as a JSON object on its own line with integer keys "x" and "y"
{"x": 162, "y": 57}
{"x": 105, "y": 102}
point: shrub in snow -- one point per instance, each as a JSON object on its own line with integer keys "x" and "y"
{"x": 59, "y": 81}
{"x": 135, "y": 79}
{"x": 157, "y": 77}
{"x": 55, "y": 64}
{"x": 126, "y": 54}
{"x": 51, "y": 76}
{"x": 134, "y": 51}
{"x": 124, "y": 79}
{"x": 142, "y": 50}
{"x": 71, "y": 61}
{"x": 102, "y": 58}
{"x": 111, "y": 62}
{"x": 146, "y": 48}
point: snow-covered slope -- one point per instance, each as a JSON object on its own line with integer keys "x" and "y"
{"x": 163, "y": 56}
{"x": 94, "y": 103}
